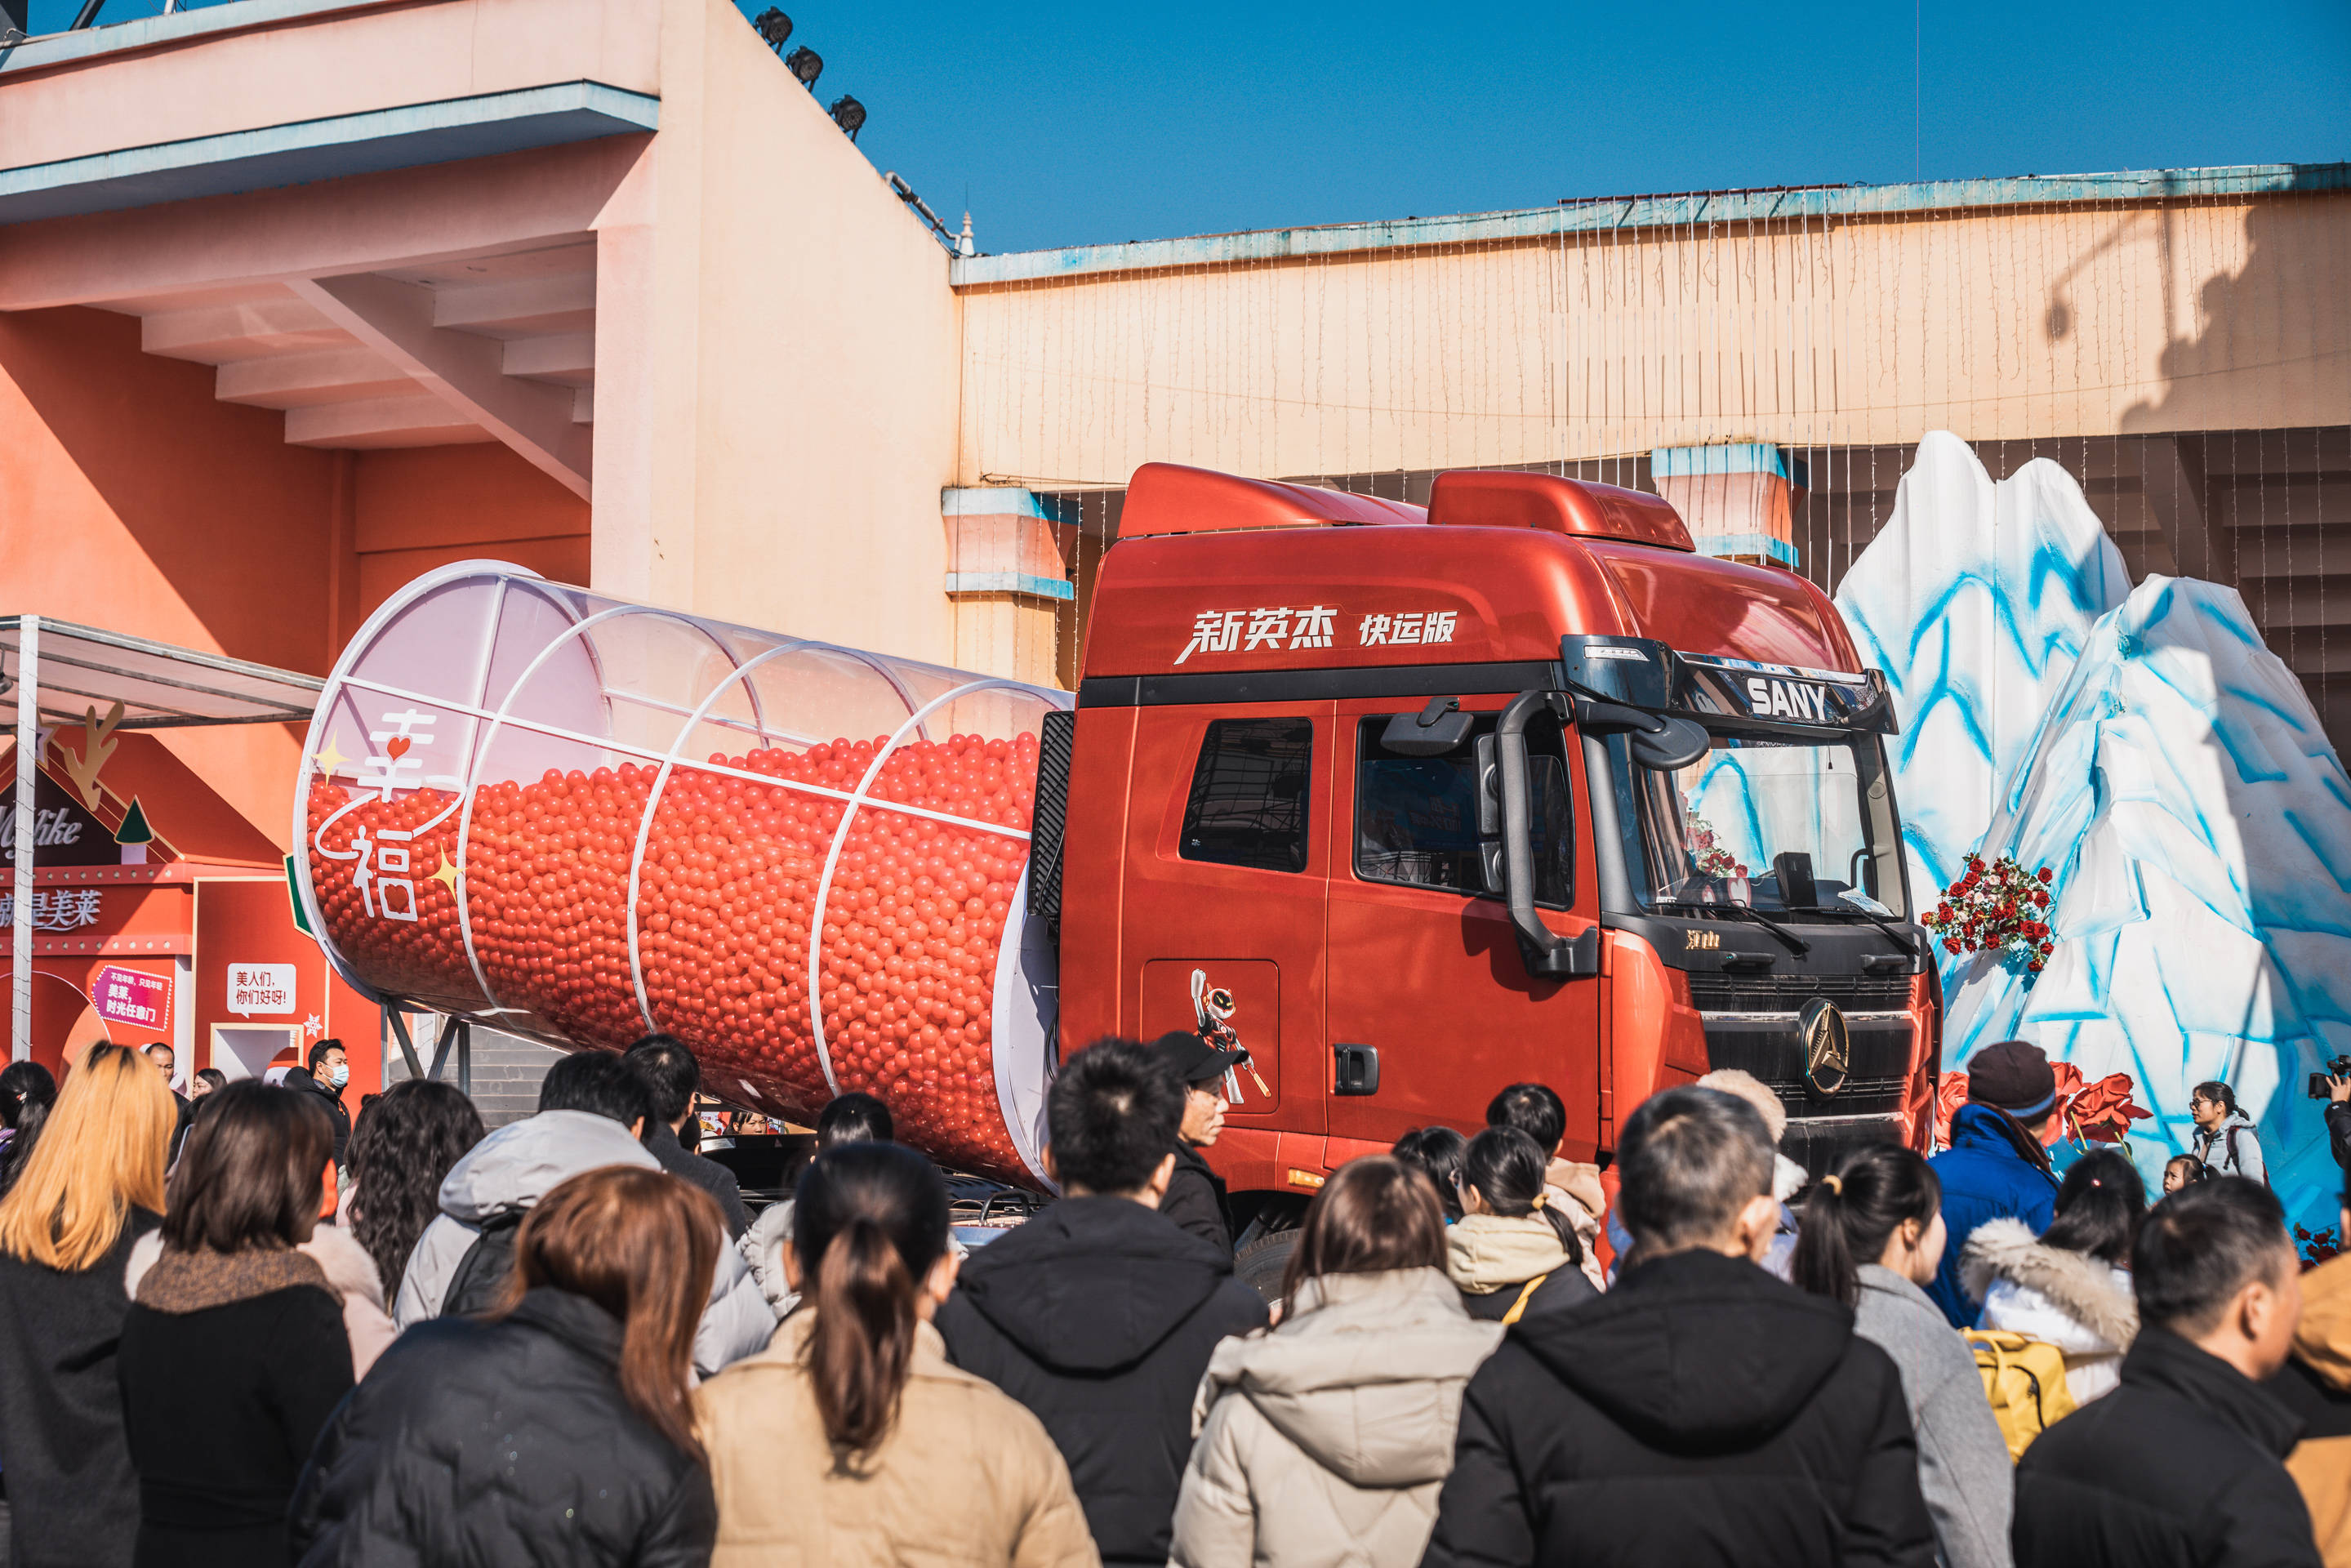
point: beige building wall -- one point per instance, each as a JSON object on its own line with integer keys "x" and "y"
{"x": 787, "y": 335}
{"x": 2003, "y": 322}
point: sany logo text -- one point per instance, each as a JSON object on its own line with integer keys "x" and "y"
{"x": 1797, "y": 700}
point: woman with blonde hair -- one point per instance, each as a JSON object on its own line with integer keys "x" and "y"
{"x": 579, "y": 1375}
{"x": 851, "y": 1440}
{"x": 90, "y": 1188}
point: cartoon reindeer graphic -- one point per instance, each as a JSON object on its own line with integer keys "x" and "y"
{"x": 98, "y": 745}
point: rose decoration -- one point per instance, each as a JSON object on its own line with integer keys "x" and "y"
{"x": 1950, "y": 1093}
{"x": 2098, "y": 1113}
{"x": 2317, "y": 1246}
{"x": 1997, "y": 907}
{"x": 1706, "y": 850}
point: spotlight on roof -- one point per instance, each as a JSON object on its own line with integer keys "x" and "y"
{"x": 774, "y": 26}
{"x": 806, "y": 64}
{"x": 849, "y": 114}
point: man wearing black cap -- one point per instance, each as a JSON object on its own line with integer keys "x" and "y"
{"x": 1195, "y": 1194}
{"x": 1997, "y": 1166}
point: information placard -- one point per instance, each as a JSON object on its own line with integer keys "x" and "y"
{"x": 132, "y": 996}
{"x": 260, "y": 988}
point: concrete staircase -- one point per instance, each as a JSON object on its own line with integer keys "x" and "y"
{"x": 506, "y": 1069}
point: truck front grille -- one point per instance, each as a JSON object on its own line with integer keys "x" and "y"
{"x": 1729, "y": 993}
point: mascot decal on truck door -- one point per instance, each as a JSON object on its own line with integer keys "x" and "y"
{"x": 1212, "y": 1011}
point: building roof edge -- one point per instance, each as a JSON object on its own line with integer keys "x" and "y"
{"x": 1619, "y": 214}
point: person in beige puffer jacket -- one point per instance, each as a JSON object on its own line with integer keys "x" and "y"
{"x": 850, "y": 1442}
{"x": 1512, "y": 1253}
{"x": 1325, "y": 1440}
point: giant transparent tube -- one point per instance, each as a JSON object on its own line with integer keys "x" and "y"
{"x": 580, "y": 820}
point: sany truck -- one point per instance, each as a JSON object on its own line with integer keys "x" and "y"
{"x": 1411, "y": 804}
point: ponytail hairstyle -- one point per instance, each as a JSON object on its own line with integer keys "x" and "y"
{"x": 1506, "y": 1168}
{"x": 1435, "y": 1152}
{"x": 869, "y": 1223}
{"x": 2218, "y": 1092}
{"x": 2099, "y": 1206}
{"x": 1849, "y": 1218}
{"x": 643, "y": 1246}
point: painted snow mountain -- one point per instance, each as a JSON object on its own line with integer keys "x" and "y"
{"x": 1975, "y": 598}
{"x": 2195, "y": 812}
{"x": 2149, "y": 748}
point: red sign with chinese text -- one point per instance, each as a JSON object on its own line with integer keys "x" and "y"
{"x": 132, "y": 996}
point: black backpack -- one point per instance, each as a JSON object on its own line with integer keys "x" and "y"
{"x": 482, "y": 1272}
{"x": 2233, "y": 1163}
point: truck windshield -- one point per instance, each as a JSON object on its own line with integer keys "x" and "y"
{"x": 1710, "y": 832}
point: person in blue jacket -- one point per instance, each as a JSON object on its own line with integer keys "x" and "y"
{"x": 1996, "y": 1167}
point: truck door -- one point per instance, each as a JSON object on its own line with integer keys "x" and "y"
{"x": 1431, "y": 1009}
{"x": 1223, "y": 910}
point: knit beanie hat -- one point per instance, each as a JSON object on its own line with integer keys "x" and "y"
{"x": 1752, "y": 1089}
{"x": 2013, "y": 1076}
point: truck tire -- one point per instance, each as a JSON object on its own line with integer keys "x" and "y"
{"x": 1261, "y": 1264}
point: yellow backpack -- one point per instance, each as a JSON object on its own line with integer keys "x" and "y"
{"x": 2025, "y": 1381}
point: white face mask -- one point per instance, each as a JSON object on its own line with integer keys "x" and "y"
{"x": 340, "y": 1074}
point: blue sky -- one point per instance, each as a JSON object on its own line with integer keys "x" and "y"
{"x": 1070, "y": 124}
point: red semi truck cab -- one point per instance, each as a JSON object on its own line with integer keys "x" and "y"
{"x": 1418, "y": 804}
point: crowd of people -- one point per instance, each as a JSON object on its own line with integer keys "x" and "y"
{"x": 243, "y": 1327}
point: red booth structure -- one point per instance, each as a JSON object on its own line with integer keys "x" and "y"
{"x": 158, "y": 910}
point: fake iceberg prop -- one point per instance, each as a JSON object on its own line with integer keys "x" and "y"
{"x": 1975, "y": 598}
{"x": 2194, "y": 811}
{"x": 2148, "y": 747}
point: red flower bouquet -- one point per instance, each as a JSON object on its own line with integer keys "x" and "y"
{"x": 1707, "y": 851}
{"x": 1998, "y": 908}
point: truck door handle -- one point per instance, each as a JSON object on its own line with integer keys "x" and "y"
{"x": 1358, "y": 1070}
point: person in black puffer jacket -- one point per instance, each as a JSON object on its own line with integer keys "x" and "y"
{"x": 2182, "y": 1466}
{"x": 594, "y": 1460}
{"x": 1100, "y": 1315}
{"x": 1701, "y": 1414}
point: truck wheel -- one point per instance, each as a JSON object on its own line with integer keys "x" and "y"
{"x": 1261, "y": 1264}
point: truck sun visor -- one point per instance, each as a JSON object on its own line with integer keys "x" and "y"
{"x": 1638, "y": 672}
{"x": 1783, "y": 694}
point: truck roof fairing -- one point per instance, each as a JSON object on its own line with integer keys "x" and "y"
{"x": 1505, "y": 566}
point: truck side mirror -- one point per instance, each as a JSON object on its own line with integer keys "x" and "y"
{"x": 1488, "y": 776}
{"x": 1548, "y": 955}
{"x": 1439, "y": 728}
{"x": 1673, "y": 746}
{"x": 1663, "y": 741}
